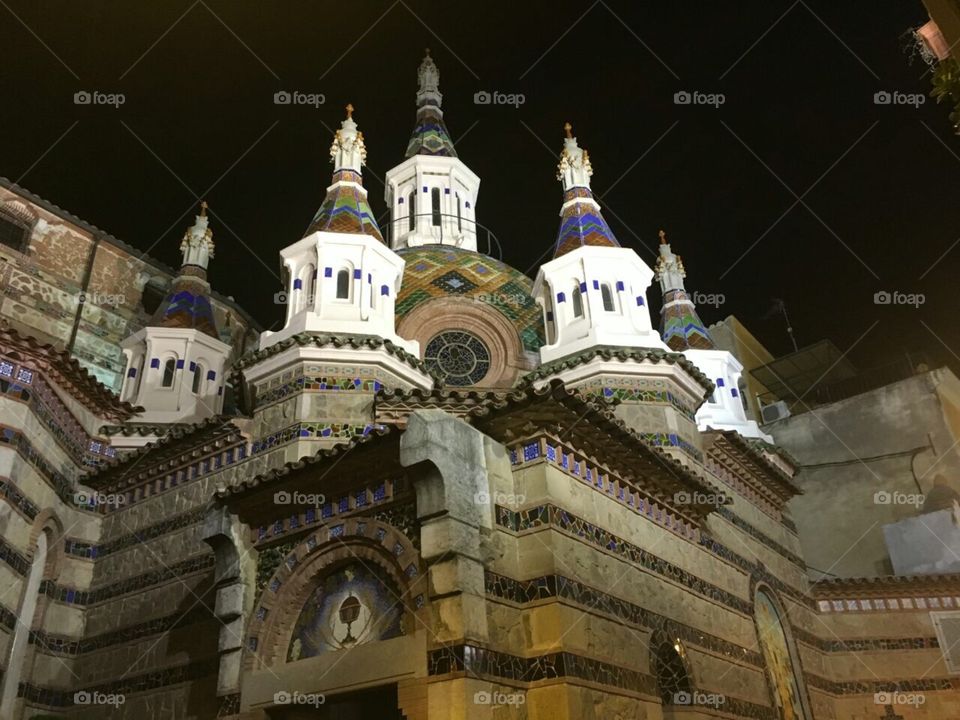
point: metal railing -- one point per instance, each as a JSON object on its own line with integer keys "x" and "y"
{"x": 485, "y": 236}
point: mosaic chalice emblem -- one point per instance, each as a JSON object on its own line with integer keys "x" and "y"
{"x": 348, "y": 613}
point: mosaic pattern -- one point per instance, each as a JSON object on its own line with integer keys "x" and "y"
{"x": 457, "y": 358}
{"x": 763, "y": 538}
{"x": 773, "y": 643}
{"x": 316, "y": 383}
{"x": 436, "y": 271}
{"x": 63, "y": 487}
{"x": 311, "y": 431}
{"x": 626, "y": 394}
{"x": 187, "y": 306}
{"x": 661, "y": 439}
{"x": 890, "y": 604}
{"x": 680, "y": 326}
{"x": 430, "y": 136}
{"x": 582, "y": 223}
{"x": 345, "y": 208}
{"x": 354, "y": 605}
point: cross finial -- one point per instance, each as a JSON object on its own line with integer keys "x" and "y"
{"x": 349, "y": 109}
{"x": 203, "y": 208}
{"x": 663, "y": 237}
{"x": 568, "y": 129}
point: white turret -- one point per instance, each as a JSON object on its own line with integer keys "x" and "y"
{"x": 432, "y": 195}
{"x": 593, "y": 292}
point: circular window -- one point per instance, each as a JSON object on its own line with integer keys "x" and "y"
{"x": 459, "y": 358}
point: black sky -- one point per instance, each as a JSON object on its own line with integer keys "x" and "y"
{"x": 799, "y": 81}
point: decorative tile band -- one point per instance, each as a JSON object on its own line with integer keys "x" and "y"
{"x": 317, "y": 383}
{"x": 79, "y": 548}
{"x": 741, "y": 524}
{"x": 871, "y": 687}
{"x": 891, "y": 604}
{"x": 11, "y": 493}
{"x": 145, "y": 682}
{"x": 553, "y": 516}
{"x": 73, "y": 596}
{"x": 13, "y": 438}
{"x": 312, "y": 431}
{"x": 577, "y": 465}
{"x": 546, "y": 587}
{"x": 61, "y": 645}
{"x": 630, "y": 394}
{"x": 661, "y": 439}
{"x": 484, "y": 662}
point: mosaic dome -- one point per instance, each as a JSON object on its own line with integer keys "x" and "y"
{"x": 434, "y": 271}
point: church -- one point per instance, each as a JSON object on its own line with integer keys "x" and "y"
{"x": 442, "y": 490}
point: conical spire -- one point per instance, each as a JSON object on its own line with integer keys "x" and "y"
{"x": 187, "y": 304}
{"x": 430, "y": 136}
{"x": 680, "y": 325}
{"x": 581, "y": 221}
{"x": 345, "y": 208}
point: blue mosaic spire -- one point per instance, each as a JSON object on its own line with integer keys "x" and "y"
{"x": 430, "y": 136}
{"x": 345, "y": 208}
{"x": 581, "y": 222}
{"x": 680, "y": 326}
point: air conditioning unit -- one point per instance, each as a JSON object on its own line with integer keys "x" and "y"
{"x": 774, "y": 411}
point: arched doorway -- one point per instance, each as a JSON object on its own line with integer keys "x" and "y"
{"x": 779, "y": 655}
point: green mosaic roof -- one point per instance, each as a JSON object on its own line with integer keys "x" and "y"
{"x": 434, "y": 271}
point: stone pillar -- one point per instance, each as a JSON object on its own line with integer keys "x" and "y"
{"x": 222, "y": 532}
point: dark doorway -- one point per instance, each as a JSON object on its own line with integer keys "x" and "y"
{"x": 379, "y": 703}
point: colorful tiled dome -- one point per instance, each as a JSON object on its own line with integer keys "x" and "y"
{"x": 434, "y": 271}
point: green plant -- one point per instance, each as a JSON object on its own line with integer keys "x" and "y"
{"x": 946, "y": 87}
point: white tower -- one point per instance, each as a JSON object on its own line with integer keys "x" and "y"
{"x": 432, "y": 195}
{"x": 341, "y": 277}
{"x": 593, "y": 292}
{"x": 683, "y": 331}
{"x": 176, "y": 364}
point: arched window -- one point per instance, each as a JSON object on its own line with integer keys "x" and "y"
{"x": 412, "y": 222}
{"x": 435, "y": 205}
{"x": 21, "y": 631}
{"x": 459, "y": 216}
{"x": 577, "y": 302}
{"x": 673, "y": 683}
{"x": 373, "y": 293}
{"x": 782, "y": 664}
{"x": 134, "y": 373}
{"x": 607, "y": 297}
{"x": 169, "y": 368}
{"x": 343, "y": 285}
{"x": 198, "y": 373}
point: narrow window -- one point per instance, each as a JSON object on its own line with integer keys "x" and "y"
{"x": 14, "y": 231}
{"x": 607, "y": 297}
{"x": 197, "y": 377}
{"x": 459, "y": 216}
{"x": 412, "y": 222}
{"x": 577, "y": 303}
{"x": 343, "y": 285}
{"x": 168, "y": 369}
{"x": 435, "y": 205}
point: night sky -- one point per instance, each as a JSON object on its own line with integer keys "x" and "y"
{"x": 877, "y": 183}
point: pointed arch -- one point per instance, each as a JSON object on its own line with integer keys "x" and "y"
{"x": 169, "y": 372}
{"x": 576, "y": 297}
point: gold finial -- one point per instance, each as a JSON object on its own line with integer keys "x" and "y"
{"x": 663, "y": 237}
{"x": 203, "y": 208}
{"x": 568, "y": 129}
{"x": 349, "y": 109}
